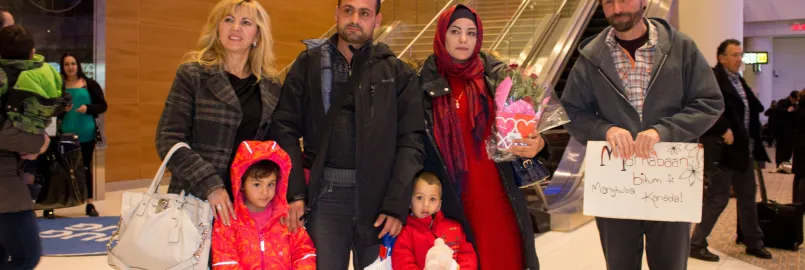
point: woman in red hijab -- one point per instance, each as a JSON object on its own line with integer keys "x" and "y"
{"x": 458, "y": 80}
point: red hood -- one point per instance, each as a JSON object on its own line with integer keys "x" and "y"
{"x": 251, "y": 152}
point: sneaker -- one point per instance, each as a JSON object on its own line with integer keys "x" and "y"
{"x": 761, "y": 252}
{"x": 91, "y": 210}
{"x": 49, "y": 214}
{"x": 703, "y": 254}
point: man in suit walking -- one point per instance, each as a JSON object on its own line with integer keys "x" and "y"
{"x": 732, "y": 146}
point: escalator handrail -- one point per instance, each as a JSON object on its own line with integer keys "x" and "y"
{"x": 542, "y": 39}
{"x": 509, "y": 25}
{"x": 658, "y": 9}
{"x": 425, "y": 29}
{"x": 386, "y": 32}
{"x": 558, "y": 58}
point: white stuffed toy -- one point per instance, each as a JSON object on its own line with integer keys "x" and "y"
{"x": 440, "y": 257}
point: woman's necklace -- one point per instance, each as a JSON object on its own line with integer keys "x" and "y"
{"x": 459, "y": 99}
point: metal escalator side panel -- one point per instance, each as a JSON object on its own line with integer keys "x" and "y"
{"x": 568, "y": 175}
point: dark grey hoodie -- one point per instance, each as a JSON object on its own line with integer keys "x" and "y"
{"x": 683, "y": 98}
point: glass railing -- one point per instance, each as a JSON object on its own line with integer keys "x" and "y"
{"x": 496, "y": 16}
{"x": 551, "y": 49}
{"x": 527, "y": 26}
{"x": 415, "y": 41}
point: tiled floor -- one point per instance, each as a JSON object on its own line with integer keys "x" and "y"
{"x": 577, "y": 250}
{"x": 581, "y": 250}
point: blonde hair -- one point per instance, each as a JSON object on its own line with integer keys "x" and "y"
{"x": 211, "y": 53}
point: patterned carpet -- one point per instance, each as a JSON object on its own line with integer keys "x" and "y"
{"x": 779, "y": 188}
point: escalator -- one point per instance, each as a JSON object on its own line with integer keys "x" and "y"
{"x": 597, "y": 24}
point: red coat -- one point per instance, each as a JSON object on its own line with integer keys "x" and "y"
{"x": 244, "y": 246}
{"x": 417, "y": 238}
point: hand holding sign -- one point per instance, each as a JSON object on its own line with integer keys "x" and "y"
{"x": 621, "y": 142}
{"x": 644, "y": 145}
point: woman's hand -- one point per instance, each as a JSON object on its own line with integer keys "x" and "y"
{"x": 82, "y": 109}
{"x": 222, "y": 206}
{"x": 534, "y": 145}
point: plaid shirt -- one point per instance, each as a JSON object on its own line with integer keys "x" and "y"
{"x": 735, "y": 79}
{"x": 635, "y": 73}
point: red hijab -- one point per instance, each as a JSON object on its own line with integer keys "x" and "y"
{"x": 467, "y": 78}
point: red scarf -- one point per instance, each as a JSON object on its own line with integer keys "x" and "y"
{"x": 467, "y": 78}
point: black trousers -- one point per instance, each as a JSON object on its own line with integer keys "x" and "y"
{"x": 785, "y": 150}
{"x": 19, "y": 240}
{"x": 799, "y": 188}
{"x": 716, "y": 198}
{"x": 87, "y": 152}
{"x": 333, "y": 226}
{"x": 667, "y": 244}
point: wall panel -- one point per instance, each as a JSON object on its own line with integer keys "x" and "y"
{"x": 145, "y": 42}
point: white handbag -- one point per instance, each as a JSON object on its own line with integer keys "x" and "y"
{"x": 161, "y": 231}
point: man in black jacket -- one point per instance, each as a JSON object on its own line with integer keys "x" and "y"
{"x": 784, "y": 128}
{"x": 362, "y": 156}
{"x": 732, "y": 146}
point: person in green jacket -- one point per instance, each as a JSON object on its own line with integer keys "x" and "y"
{"x": 31, "y": 90}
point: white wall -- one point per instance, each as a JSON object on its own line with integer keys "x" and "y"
{"x": 762, "y": 83}
{"x": 789, "y": 62}
{"x": 710, "y": 22}
{"x": 772, "y": 29}
{"x": 772, "y": 10}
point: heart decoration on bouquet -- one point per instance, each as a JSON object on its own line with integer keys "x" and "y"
{"x": 520, "y": 103}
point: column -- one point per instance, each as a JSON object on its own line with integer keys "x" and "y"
{"x": 761, "y": 82}
{"x": 709, "y": 22}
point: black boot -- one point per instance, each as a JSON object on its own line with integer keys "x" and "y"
{"x": 703, "y": 254}
{"x": 91, "y": 210}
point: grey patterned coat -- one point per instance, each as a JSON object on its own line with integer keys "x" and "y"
{"x": 203, "y": 111}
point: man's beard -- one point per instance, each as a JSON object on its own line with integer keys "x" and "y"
{"x": 357, "y": 38}
{"x": 634, "y": 18}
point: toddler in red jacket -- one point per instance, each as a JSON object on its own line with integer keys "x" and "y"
{"x": 256, "y": 239}
{"x": 425, "y": 223}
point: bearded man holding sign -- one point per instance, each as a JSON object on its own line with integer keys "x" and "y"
{"x": 640, "y": 82}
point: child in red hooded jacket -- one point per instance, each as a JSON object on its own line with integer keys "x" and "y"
{"x": 425, "y": 224}
{"x": 256, "y": 239}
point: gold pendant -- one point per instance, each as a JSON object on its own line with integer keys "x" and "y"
{"x": 457, "y": 106}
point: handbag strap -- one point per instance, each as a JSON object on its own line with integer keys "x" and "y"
{"x": 158, "y": 177}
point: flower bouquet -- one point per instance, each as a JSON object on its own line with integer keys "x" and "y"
{"x": 522, "y": 107}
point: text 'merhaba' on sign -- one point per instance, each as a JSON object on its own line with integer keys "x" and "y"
{"x": 666, "y": 187}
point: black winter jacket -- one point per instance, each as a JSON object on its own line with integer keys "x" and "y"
{"x": 389, "y": 130}
{"x": 735, "y": 156}
{"x": 434, "y": 85}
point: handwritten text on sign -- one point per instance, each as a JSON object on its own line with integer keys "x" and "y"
{"x": 666, "y": 187}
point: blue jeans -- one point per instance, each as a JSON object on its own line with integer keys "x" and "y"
{"x": 19, "y": 240}
{"x": 334, "y": 229}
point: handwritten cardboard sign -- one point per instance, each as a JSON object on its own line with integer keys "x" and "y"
{"x": 666, "y": 187}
